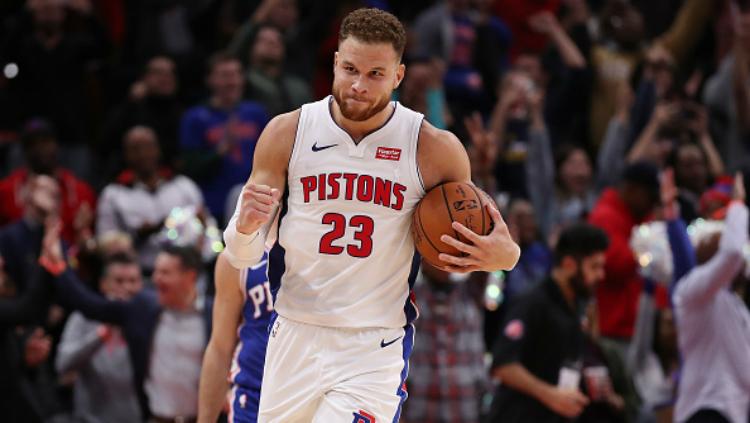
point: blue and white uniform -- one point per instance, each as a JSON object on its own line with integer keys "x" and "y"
{"x": 247, "y": 365}
{"x": 342, "y": 271}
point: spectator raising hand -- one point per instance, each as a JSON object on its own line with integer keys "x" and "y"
{"x": 482, "y": 152}
{"x": 668, "y": 195}
{"x": 546, "y": 22}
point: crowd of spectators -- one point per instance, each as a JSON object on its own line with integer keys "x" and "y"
{"x": 114, "y": 114}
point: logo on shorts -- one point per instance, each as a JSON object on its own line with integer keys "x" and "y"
{"x": 275, "y": 329}
{"x": 362, "y": 416}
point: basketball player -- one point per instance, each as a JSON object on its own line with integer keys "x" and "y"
{"x": 242, "y": 308}
{"x": 350, "y": 168}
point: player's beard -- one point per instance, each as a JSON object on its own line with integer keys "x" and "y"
{"x": 359, "y": 115}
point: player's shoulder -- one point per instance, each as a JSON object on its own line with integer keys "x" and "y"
{"x": 432, "y": 139}
{"x": 276, "y": 142}
{"x": 441, "y": 157}
{"x": 284, "y": 124}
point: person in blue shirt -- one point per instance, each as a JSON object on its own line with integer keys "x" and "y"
{"x": 217, "y": 139}
{"x": 244, "y": 306}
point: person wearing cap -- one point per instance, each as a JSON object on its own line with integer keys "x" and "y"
{"x": 617, "y": 212}
{"x": 713, "y": 322}
{"x": 41, "y": 152}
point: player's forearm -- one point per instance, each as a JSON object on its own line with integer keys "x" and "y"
{"x": 515, "y": 376}
{"x": 213, "y": 385}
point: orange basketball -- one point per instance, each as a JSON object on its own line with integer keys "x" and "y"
{"x": 447, "y": 203}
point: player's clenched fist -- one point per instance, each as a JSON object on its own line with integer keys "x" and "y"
{"x": 257, "y": 206}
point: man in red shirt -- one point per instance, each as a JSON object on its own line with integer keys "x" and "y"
{"x": 40, "y": 150}
{"x": 617, "y": 212}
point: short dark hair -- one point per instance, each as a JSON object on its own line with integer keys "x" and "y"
{"x": 372, "y": 25}
{"x": 189, "y": 257}
{"x": 643, "y": 174}
{"x": 219, "y": 58}
{"x": 580, "y": 240}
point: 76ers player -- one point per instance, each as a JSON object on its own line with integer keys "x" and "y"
{"x": 350, "y": 169}
{"x": 242, "y": 308}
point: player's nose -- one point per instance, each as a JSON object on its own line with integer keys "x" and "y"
{"x": 358, "y": 86}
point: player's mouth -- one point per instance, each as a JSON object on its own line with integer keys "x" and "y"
{"x": 357, "y": 100}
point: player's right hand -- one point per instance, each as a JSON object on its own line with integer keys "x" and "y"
{"x": 567, "y": 402}
{"x": 257, "y": 206}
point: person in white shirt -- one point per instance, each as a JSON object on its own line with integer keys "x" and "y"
{"x": 143, "y": 195}
{"x": 713, "y": 325}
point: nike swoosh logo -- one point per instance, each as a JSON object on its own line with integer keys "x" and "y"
{"x": 384, "y": 344}
{"x": 315, "y": 147}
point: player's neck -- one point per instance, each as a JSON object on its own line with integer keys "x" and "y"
{"x": 359, "y": 129}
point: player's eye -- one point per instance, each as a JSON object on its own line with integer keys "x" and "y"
{"x": 350, "y": 69}
{"x": 376, "y": 74}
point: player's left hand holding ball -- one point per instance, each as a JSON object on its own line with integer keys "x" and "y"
{"x": 491, "y": 252}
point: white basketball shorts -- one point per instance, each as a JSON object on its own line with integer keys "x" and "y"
{"x": 330, "y": 375}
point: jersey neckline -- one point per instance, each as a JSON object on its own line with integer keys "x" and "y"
{"x": 355, "y": 147}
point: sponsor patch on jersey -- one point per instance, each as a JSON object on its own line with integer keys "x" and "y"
{"x": 386, "y": 153}
{"x": 362, "y": 416}
{"x": 514, "y": 330}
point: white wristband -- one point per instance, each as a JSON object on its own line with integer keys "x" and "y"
{"x": 243, "y": 250}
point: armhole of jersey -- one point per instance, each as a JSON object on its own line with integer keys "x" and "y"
{"x": 416, "y": 174}
{"x": 292, "y": 160}
{"x": 295, "y": 150}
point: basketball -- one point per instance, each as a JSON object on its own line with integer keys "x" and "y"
{"x": 447, "y": 203}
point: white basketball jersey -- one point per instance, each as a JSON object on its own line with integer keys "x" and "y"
{"x": 345, "y": 256}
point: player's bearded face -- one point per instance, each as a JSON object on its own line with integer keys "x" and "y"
{"x": 359, "y": 108}
{"x": 365, "y": 75}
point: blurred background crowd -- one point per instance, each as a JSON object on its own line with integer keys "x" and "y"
{"x": 135, "y": 121}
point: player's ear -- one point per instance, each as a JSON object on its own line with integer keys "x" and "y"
{"x": 335, "y": 59}
{"x": 400, "y": 72}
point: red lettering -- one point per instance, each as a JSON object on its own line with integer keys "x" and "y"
{"x": 364, "y": 188}
{"x": 321, "y": 187}
{"x": 333, "y": 182}
{"x": 309, "y": 184}
{"x": 398, "y": 192}
{"x": 383, "y": 192}
{"x": 350, "y": 177}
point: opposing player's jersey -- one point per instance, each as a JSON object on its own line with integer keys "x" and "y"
{"x": 345, "y": 256}
{"x": 250, "y": 354}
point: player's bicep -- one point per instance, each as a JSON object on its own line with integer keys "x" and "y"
{"x": 273, "y": 151}
{"x": 227, "y": 310}
{"x": 441, "y": 157}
